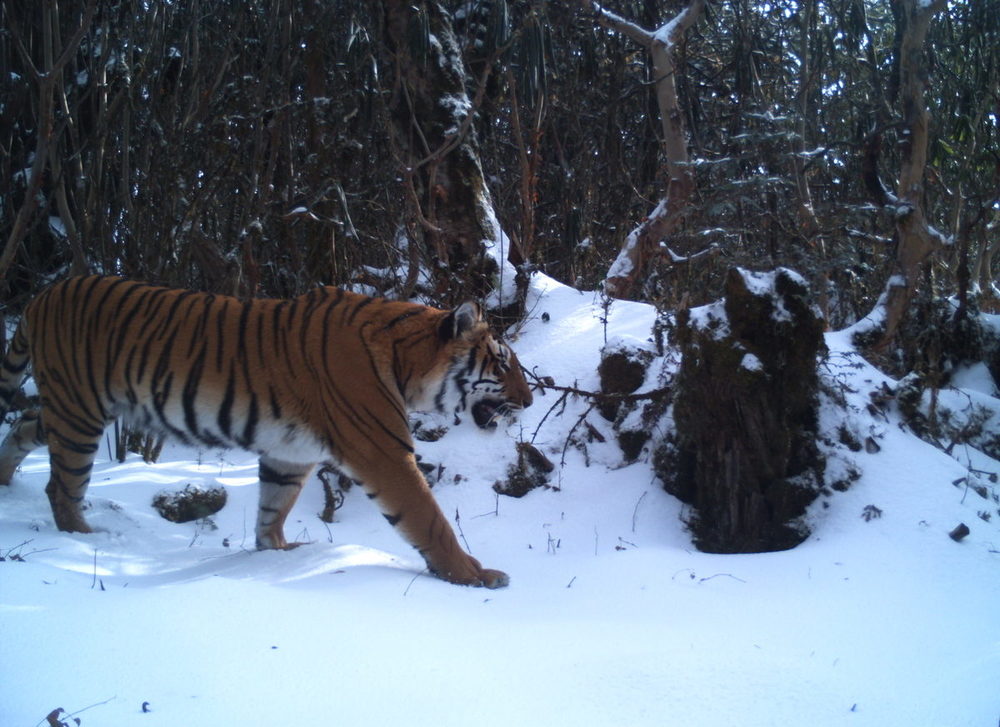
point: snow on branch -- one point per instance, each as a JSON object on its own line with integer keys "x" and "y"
{"x": 626, "y": 27}
{"x": 667, "y": 34}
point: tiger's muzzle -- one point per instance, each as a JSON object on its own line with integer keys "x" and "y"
{"x": 488, "y": 412}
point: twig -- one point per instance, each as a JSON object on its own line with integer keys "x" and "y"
{"x": 635, "y": 511}
{"x": 458, "y": 524}
{"x": 413, "y": 580}
{"x": 542, "y": 382}
{"x": 96, "y": 704}
{"x": 721, "y": 575}
{"x": 16, "y": 547}
{"x": 692, "y": 575}
{"x": 559, "y": 401}
{"x": 496, "y": 508}
{"x": 54, "y": 714}
{"x": 641, "y": 396}
{"x": 569, "y": 437}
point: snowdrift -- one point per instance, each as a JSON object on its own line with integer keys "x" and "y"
{"x": 611, "y": 618}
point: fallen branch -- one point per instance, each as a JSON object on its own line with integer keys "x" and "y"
{"x": 543, "y": 384}
{"x": 641, "y": 396}
{"x": 594, "y": 397}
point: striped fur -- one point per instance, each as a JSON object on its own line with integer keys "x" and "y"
{"x": 325, "y": 377}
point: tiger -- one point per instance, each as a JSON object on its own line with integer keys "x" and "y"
{"x": 327, "y": 377}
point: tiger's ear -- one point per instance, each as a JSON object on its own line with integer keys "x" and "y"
{"x": 461, "y": 320}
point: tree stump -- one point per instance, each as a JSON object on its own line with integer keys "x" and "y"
{"x": 746, "y": 409}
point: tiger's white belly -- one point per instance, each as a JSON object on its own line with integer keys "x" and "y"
{"x": 283, "y": 439}
{"x": 300, "y": 446}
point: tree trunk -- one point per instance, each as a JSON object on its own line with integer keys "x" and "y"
{"x": 982, "y": 274}
{"x": 438, "y": 153}
{"x": 643, "y": 243}
{"x": 808, "y": 224}
{"x": 916, "y": 239}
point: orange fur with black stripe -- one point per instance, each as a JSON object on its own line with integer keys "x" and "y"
{"x": 325, "y": 377}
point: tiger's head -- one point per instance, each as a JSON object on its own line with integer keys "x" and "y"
{"x": 483, "y": 375}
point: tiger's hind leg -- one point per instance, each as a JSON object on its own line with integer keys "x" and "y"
{"x": 25, "y": 436}
{"x": 280, "y": 485}
{"x": 71, "y": 460}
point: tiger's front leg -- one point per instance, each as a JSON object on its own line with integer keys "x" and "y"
{"x": 401, "y": 493}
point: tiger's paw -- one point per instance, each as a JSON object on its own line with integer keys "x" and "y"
{"x": 275, "y": 540}
{"x": 271, "y": 544}
{"x": 479, "y": 578}
{"x": 493, "y": 579}
{"x": 69, "y": 520}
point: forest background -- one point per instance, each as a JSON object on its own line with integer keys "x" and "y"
{"x": 262, "y": 147}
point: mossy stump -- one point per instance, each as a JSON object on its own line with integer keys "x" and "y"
{"x": 746, "y": 408}
{"x": 622, "y": 371}
{"x": 191, "y": 503}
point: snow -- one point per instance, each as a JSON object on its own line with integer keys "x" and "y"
{"x": 711, "y": 317}
{"x": 56, "y": 226}
{"x": 497, "y": 246}
{"x": 612, "y": 617}
{"x": 458, "y": 106}
{"x": 974, "y": 377}
{"x": 751, "y": 363}
{"x": 622, "y": 266}
{"x": 664, "y": 35}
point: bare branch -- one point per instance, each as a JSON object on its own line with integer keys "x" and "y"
{"x": 46, "y": 129}
{"x": 643, "y": 243}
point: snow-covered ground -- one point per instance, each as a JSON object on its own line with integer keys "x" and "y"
{"x": 611, "y": 618}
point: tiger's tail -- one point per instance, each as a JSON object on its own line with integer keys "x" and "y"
{"x": 27, "y": 433}
{"x": 13, "y": 368}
